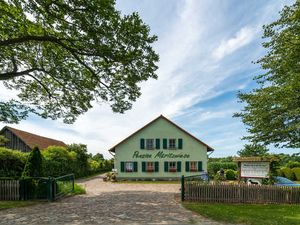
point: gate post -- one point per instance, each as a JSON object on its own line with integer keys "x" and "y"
{"x": 50, "y": 189}
{"x": 182, "y": 188}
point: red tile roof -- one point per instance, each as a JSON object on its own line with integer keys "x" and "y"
{"x": 35, "y": 140}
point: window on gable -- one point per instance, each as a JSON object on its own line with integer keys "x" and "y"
{"x": 149, "y": 143}
{"x": 172, "y": 143}
{"x": 193, "y": 166}
{"x": 129, "y": 166}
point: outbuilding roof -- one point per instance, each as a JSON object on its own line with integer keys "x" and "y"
{"x": 112, "y": 149}
{"x": 32, "y": 140}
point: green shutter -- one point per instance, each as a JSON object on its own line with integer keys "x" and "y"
{"x": 142, "y": 143}
{"x": 156, "y": 165}
{"x": 122, "y": 166}
{"x": 180, "y": 143}
{"x": 187, "y": 166}
{"x": 135, "y": 166}
{"x": 178, "y": 166}
{"x": 165, "y": 143}
{"x": 157, "y": 143}
{"x": 143, "y": 166}
{"x": 166, "y": 166}
{"x": 200, "y": 166}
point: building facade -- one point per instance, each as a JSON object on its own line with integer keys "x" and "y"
{"x": 160, "y": 150}
{"x": 24, "y": 141}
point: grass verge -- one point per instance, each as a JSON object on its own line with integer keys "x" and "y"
{"x": 248, "y": 213}
{"x": 79, "y": 190}
{"x": 15, "y": 204}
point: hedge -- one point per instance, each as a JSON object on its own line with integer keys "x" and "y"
{"x": 288, "y": 173}
{"x": 296, "y": 171}
{"x": 230, "y": 174}
{"x": 12, "y": 162}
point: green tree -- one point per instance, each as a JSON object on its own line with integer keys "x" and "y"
{"x": 34, "y": 164}
{"x": 82, "y": 156}
{"x": 98, "y": 157}
{"x": 272, "y": 111}
{"x": 253, "y": 150}
{"x": 63, "y": 55}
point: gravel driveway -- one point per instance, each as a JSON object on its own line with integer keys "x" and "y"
{"x": 109, "y": 203}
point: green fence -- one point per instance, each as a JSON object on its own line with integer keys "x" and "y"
{"x": 37, "y": 188}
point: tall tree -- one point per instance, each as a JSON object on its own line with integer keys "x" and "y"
{"x": 63, "y": 55}
{"x": 253, "y": 150}
{"x": 272, "y": 111}
{"x": 34, "y": 164}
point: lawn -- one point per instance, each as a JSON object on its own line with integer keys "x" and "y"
{"x": 248, "y": 214}
{"x": 15, "y": 204}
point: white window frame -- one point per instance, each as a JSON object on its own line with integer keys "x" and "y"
{"x": 150, "y": 166}
{"x": 173, "y": 146}
{"x": 173, "y": 166}
{"x": 128, "y": 167}
{"x": 195, "y": 167}
{"x": 150, "y": 143}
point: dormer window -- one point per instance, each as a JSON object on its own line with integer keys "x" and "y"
{"x": 149, "y": 143}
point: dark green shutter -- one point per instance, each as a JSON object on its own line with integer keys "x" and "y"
{"x": 156, "y": 165}
{"x": 180, "y": 143}
{"x": 200, "y": 166}
{"x": 122, "y": 166}
{"x": 165, "y": 143}
{"x": 135, "y": 166}
{"x": 157, "y": 143}
{"x": 178, "y": 166}
{"x": 142, "y": 143}
{"x": 143, "y": 166}
{"x": 166, "y": 166}
{"x": 187, "y": 166}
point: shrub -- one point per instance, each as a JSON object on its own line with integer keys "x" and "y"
{"x": 292, "y": 164}
{"x": 33, "y": 166}
{"x": 58, "y": 161}
{"x": 230, "y": 174}
{"x": 296, "y": 171}
{"x": 288, "y": 173}
{"x": 214, "y": 167}
{"x": 12, "y": 162}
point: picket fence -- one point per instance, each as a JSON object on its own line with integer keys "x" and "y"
{"x": 239, "y": 193}
{"x": 9, "y": 189}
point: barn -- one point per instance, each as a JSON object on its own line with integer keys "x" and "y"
{"x": 25, "y": 141}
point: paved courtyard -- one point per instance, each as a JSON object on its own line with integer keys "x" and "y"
{"x": 109, "y": 203}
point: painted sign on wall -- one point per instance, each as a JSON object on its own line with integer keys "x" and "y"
{"x": 159, "y": 155}
{"x": 255, "y": 169}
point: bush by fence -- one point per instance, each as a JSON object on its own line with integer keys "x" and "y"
{"x": 242, "y": 193}
{"x": 57, "y": 161}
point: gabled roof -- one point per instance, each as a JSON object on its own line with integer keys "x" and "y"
{"x": 112, "y": 149}
{"x": 34, "y": 140}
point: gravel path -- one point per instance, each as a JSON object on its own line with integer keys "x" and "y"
{"x": 109, "y": 203}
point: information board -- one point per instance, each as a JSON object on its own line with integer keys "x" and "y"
{"x": 255, "y": 169}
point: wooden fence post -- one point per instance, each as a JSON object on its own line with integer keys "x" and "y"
{"x": 182, "y": 188}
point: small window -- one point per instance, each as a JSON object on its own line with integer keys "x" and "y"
{"x": 172, "y": 143}
{"x": 129, "y": 166}
{"x": 150, "y": 167}
{"x": 172, "y": 166}
{"x": 193, "y": 166}
{"x": 149, "y": 143}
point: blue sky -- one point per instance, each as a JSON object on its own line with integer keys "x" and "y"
{"x": 206, "y": 49}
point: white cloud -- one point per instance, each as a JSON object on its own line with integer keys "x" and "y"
{"x": 243, "y": 37}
